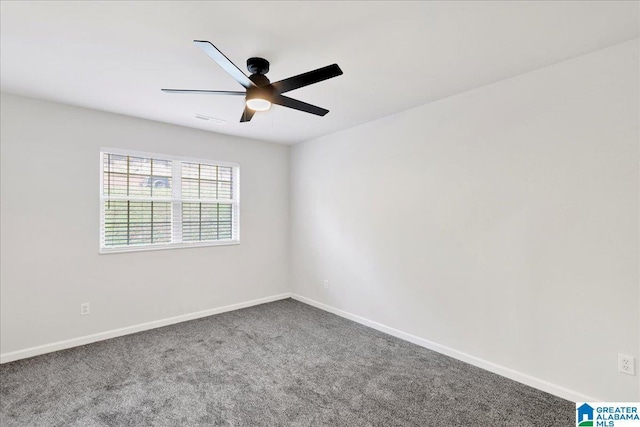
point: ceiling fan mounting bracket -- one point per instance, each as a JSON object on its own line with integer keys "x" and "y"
{"x": 257, "y": 65}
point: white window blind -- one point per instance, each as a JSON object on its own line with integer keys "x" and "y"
{"x": 153, "y": 201}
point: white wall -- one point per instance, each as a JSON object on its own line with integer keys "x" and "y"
{"x": 502, "y": 222}
{"x": 50, "y": 227}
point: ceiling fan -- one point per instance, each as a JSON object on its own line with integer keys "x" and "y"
{"x": 260, "y": 93}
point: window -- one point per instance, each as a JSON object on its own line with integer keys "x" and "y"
{"x": 154, "y": 201}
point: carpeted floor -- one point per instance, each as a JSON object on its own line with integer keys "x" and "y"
{"x": 278, "y": 364}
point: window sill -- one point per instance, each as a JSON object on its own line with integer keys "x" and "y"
{"x": 118, "y": 250}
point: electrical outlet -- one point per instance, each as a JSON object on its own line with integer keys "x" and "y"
{"x": 326, "y": 284}
{"x": 626, "y": 364}
{"x": 84, "y": 308}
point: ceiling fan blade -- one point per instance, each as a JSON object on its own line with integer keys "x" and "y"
{"x": 307, "y": 78}
{"x": 224, "y": 62}
{"x": 247, "y": 114}
{"x": 285, "y": 101}
{"x": 204, "y": 92}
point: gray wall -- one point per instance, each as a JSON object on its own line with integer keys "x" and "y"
{"x": 50, "y": 227}
{"x": 501, "y": 223}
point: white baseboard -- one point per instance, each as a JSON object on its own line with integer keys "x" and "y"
{"x": 520, "y": 377}
{"x": 87, "y": 339}
{"x": 476, "y": 361}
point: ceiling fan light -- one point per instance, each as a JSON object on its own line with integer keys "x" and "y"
{"x": 258, "y": 104}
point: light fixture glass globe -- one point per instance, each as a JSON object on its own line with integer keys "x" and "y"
{"x": 258, "y": 104}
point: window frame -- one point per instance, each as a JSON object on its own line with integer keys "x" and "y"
{"x": 176, "y": 201}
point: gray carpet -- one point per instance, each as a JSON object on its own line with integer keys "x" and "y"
{"x": 278, "y": 364}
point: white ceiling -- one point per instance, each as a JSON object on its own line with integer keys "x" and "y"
{"x": 115, "y": 56}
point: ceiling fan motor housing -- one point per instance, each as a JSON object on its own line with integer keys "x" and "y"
{"x": 259, "y": 79}
{"x": 260, "y": 92}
